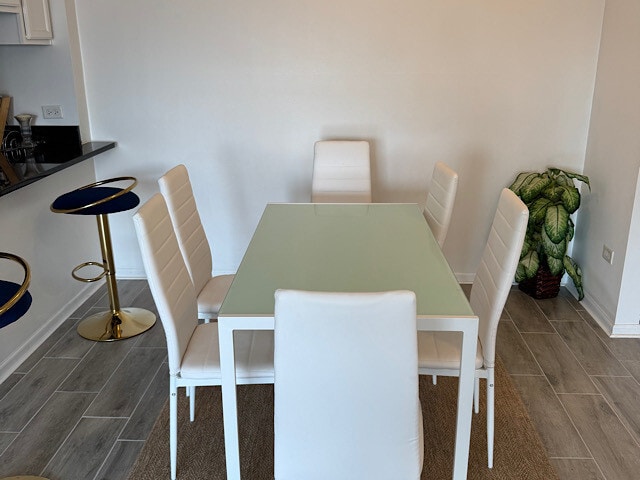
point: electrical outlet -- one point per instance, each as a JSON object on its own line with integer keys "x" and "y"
{"x": 607, "y": 254}
{"x": 52, "y": 111}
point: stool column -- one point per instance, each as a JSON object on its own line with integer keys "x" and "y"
{"x": 109, "y": 265}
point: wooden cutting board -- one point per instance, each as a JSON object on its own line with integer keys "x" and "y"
{"x": 6, "y": 167}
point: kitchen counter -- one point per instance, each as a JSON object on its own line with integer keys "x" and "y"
{"x": 58, "y": 148}
{"x": 42, "y": 170}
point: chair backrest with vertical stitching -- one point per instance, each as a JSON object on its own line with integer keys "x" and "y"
{"x": 169, "y": 281}
{"x": 176, "y": 188}
{"x": 440, "y": 200}
{"x": 341, "y": 172}
{"x": 346, "y": 386}
{"x": 497, "y": 269}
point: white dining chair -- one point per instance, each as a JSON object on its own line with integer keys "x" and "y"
{"x": 346, "y": 402}
{"x": 192, "y": 348}
{"x": 175, "y": 186}
{"x": 440, "y": 200}
{"x": 439, "y": 352}
{"x": 341, "y": 172}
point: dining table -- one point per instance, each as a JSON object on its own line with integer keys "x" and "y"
{"x": 370, "y": 247}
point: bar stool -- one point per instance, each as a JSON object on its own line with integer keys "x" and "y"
{"x": 15, "y": 299}
{"x": 96, "y": 199}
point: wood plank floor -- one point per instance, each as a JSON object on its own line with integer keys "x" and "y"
{"x": 82, "y": 410}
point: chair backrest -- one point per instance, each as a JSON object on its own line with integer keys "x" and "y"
{"x": 168, "y": 278}
{"x": 341, "y": 172}
{"x": 497, "y": 269}
{"x": 346, "y": 386}
{"x": 440, "y": 200}
{"x": 175, "y": 186}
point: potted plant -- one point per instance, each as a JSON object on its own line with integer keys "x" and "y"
{"x": 551, "y": 197}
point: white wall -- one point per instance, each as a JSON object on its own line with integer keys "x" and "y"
{"x": 611, "y": 213}
{"x": 36, "y": 75}
{"x": 52, "y": 244}
{"x": 239, "y": 92}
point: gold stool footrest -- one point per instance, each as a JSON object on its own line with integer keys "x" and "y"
{"x": 109, "y": 326}
{"x": 87, "y": 264}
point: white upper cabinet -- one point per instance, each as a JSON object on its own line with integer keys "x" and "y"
{"x": 25, "y": 22}
{"x": 37, "y": 19}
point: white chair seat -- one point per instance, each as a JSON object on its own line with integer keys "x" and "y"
{"x": 253, "y": 351}
{"x": 212, "y": 294}
{"x": 441, "y": 350}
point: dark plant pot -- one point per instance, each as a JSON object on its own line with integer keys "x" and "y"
{"x": 543, "y": 285}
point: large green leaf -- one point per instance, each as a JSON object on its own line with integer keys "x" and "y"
{"x": 555, "y": 265}
{"x": 563, "y": 181}
{"x": 577, "y": 176}
{"x": 532, "y": 189}
{"x": 570, "y": 230}
{"x": 530, "y": 263}
{"x": 575, "y": 272}
{"x": 553, "y": 193}
{"x": 526, "y": 246}
{"x": 538, "y": 210}
{"x": 521, "y": 180}
{"x": 555, "y": 223}
{"x": 570, "y": 198}
{"x": 555, "y": 250}
{"x": 520, "y": 273}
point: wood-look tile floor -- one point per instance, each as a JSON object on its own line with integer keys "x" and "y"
{"x": 82, "y": 410}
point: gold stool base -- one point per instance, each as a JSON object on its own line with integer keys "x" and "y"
{"x": 106, "y": 327}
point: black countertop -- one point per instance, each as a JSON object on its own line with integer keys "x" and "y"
{"x": 89, "y": 150}
{"x": 56, "y": 148}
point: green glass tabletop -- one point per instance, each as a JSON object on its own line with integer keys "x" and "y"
{"x": 344, "y": 248}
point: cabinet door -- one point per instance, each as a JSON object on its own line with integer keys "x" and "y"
{"x": 9, "y": 3}
{"x": 37, "y": 19}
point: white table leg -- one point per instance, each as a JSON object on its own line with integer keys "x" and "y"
{"x": 465, "y": 401}
{"x": 229, "y": 399}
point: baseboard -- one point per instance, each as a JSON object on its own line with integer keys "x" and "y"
{"x": 599, "y": 314}
{"x": 10, "y": 364}
{"x": 131, "y": 274}
{"x": 605, "y": 319}
{"x": 625, "y": 331}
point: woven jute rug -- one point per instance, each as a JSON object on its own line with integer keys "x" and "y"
{"x": 519, "y": 453}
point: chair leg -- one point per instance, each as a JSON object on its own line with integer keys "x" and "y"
{"x": 490, "y": 414}
{"x": 173, "y": 426}
{"x": 192, "y": 403}
{"x": 434, "y": 379}
{"x": 476, "y": 395}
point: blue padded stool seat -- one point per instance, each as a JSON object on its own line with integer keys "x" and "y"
{"x": 86, "y": 196}
{"x": 7, "y": 291}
